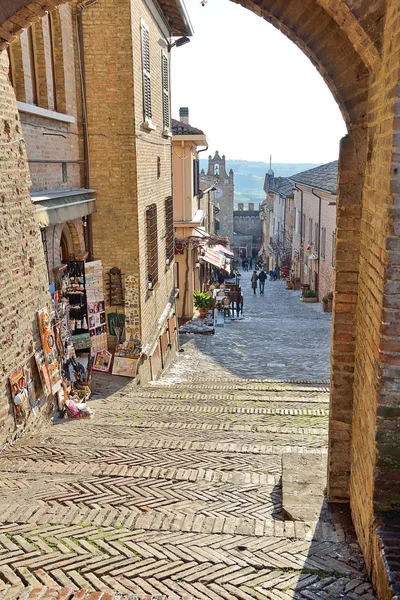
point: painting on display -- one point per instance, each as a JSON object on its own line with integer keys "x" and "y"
{"x": 19, "y": 396}
{"x": 43, "y": 372}
{"x": 127, "y": 367}
{"x": 49, "y": 350}
{"x": 102, "y": 361}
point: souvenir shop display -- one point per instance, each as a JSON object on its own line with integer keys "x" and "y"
{"x": 96, "y": 318}
{"x": 102, "y": 361}
{"x": 127, "y": 367}
{"x": 19, "y": 394}
{"x": 130, "y": 349}
{"x": 49, "y": 350}
{"x": 43, "y": 372}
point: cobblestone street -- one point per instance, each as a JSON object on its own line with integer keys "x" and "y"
{"x": 280, "y": 337}
{"x": 204, "y": 485}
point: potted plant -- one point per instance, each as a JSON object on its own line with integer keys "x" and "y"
{"x": 289, "y": 284}
{"x": 309, "y": 296}
{"x": 296, "y": 283}
{"x": 327, "y": 302}
{"x": 203, "y": 302}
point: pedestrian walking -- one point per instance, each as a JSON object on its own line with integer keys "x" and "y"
{"x": 254, "y": 279}
{"x": 251, "y": 263}
{"x": 220, "y": 277}
{"x": 262, "y": 277}
{"x": 276, "y": 273}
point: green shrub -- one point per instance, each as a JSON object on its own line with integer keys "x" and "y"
{"x": 202, "y": 300}
{"x": 309, "y": 294}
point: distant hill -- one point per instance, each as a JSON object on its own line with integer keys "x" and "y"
{"x": 249, "y": 176}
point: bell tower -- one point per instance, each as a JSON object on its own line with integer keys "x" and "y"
{"x": 224, "y": 193}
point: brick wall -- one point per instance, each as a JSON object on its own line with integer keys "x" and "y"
{"x": 124, "y": 156}
{"x": 48, "y": 138}
{"x": 24, "y": 287}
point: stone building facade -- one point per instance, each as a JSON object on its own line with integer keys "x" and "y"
{"x": 276, "y": 214}
{"x": 129, "y": 136}
{"x": 355, "y": 45}
{"x": 43, "y": 73}
{"x": 224, "y": 193}
{"x": 247, "y": 223}
{"x": 314, "y": 238}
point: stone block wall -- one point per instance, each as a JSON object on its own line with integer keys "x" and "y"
{"x": 24, "y": 288}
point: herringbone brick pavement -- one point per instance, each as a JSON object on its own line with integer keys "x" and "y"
{"x": 174, "y": 492}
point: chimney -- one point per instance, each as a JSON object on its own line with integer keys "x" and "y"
{"x": 184, "y": 114}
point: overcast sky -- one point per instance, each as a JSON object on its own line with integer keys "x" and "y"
{"x": 251, "y": 90}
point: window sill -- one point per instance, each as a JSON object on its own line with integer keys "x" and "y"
{"x": 148, "y": 125}
{"x": 167, "y": 133}
{"x": 153, "y": 289}
{"x": 32, "y": 109}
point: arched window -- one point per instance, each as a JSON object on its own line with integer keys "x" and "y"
{"x": 216, "y": 169}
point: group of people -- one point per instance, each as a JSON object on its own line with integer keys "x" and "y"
{"x": 261, "y": 277}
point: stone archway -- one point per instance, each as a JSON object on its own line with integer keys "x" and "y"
{"x": 355, "y": 45}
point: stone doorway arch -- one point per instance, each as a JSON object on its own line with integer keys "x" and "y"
{"x": 355, "y": 46}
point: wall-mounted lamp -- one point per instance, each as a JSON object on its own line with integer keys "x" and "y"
{"x": 180, "y": 42}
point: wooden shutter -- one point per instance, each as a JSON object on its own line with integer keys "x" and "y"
{"x": 152, "y": 244}
{"x": 196, "y": 176}
{"x": 169, "y": 230}
{"x": 165, "y": 90}
{"x": 146, "y": 73}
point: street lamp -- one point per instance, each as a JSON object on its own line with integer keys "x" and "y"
{"x": 180, "y": 42}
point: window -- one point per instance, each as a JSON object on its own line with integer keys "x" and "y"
{"x": 310, "y": 231}
{"x": 303, "y": 227}
{"x": 11, "y": 72}
{"x": 169, "y": 230}
{"x": 32, "y": 65}
{"x": 52, "y": 79}
{"x": 146, "y": 73}
{"x": 152, "y": 248}
{"x": 323, "y": 242}
{"x": 165, "y": 90}
{"x": 316, "y": 236}
{"x": 196, "y": 177}
{"x": 333, "y": 248}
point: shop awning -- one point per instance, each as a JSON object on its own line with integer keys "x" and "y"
{"x": 60, "y": 206}
{"x": 214, "y": 258}
{"x": 224, "y": 250}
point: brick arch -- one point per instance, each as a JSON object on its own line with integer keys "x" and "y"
{"x": 327, "y": 31}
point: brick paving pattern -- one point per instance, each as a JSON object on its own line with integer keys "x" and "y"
{"x": 175, "y": 490}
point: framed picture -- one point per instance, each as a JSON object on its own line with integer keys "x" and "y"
{"x": 127, "y": 367}
{"x": 102, "y": 361}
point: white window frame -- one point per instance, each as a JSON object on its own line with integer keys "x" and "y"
{"x": 166, "y": 105}
{"x": 146, "y": 75}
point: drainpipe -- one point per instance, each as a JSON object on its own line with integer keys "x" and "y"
{"x": 81, "y": 60}
{"x": 301, "y": 229}
{"x": 319, "y": 235}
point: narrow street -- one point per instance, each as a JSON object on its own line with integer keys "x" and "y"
{"x": 175, "y": 489}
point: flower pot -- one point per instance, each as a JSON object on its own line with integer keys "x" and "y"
{"x": 310, "y": 300}
{"x": 296, "y": 285}
{"x": 203, "y": 312}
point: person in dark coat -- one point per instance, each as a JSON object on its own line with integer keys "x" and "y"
{"x": 220, "y": 277}
{"x": 262, "y": 277}
{"x": 254, "y": 279}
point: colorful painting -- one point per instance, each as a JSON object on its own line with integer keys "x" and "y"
{"x": 49, "y": 349}
{"x": 102, "y": 361}
{"x": 43, "y": 372}
{"x": 19, "y": 396}
{"x": 115, "y": 320}
{"x": 127, "y": 367}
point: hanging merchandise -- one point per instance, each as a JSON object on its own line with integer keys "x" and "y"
{"x": 96, "y": 305}
{"x": 49, "y": 350}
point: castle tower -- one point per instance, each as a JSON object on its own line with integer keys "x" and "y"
{"x": 224, "y": 194}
